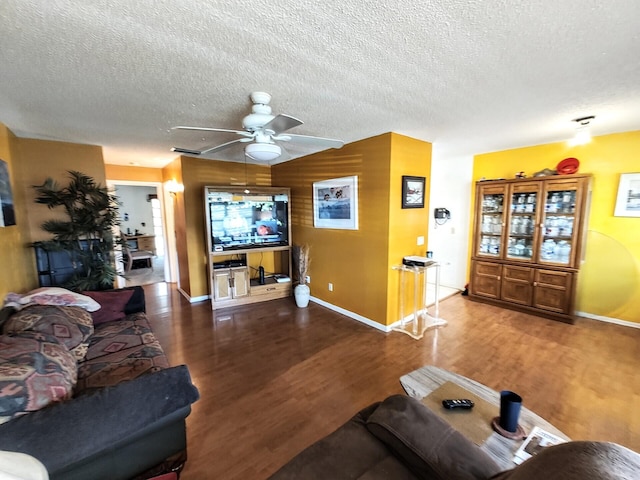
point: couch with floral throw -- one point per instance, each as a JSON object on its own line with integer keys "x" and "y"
{"x": 86, "y": 388}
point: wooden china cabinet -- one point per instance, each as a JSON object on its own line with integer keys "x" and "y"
{"x": 528, "y": 243}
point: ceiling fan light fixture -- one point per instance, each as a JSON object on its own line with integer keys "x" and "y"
{"x": 263, "y": 152}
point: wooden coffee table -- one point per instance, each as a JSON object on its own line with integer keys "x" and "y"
{"x": 423, "y": 381}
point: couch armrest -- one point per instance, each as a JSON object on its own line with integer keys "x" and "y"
{"x": 578, "y": 460}
{"x": 428, "y": 445}
{"x": 68, "y": 432}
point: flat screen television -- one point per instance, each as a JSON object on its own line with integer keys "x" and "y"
{"x": 240, "y": 221}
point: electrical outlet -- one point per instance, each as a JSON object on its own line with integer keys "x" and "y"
{"x": 420, "y": 240}
{"x": 307, "y": 279}
{"x": 331, "y": 287}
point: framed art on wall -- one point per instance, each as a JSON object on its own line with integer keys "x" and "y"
{"x": 413, "y": 191}
{"x": 335, "y": 203}
{"x": 7, "y": 213}
{"x": 628, "y": 201}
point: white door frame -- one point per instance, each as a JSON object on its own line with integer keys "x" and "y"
{"x": 170, "y": 257}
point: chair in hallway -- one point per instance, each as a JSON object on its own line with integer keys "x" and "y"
{"x": 134, "y": 255}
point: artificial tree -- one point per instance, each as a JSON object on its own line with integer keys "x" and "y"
{"x": 87, "y": 236}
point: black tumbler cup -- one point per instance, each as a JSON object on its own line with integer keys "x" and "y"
{"x": 510, "y": 404}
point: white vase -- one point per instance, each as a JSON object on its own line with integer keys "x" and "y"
{"x": 302, "y": 294}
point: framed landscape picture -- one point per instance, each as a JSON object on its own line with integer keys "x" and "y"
{"x": 413, "y": 191}
{"x": 335, "y": 203}
{"x": 628, "y": 201}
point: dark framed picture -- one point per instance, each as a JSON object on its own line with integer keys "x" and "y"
{"x": 413, "y": 191}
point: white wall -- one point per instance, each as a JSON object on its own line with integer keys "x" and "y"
{"x": 451, "y": 189}
{"x": 133, "y": 203}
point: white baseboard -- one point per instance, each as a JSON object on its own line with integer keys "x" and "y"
{"x": 355, "y": 316}
{"x": 600, "y": 318}
{"x": 388, "y": 328}
{"x": 190, "y": 299}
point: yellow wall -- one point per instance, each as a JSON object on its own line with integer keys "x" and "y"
{"x": 133, "y": 174}
{"x": 173, "y": 171}
{"x": 16, "y": 257}
{"x": 40, "y": 159}
{"x": 609, "y": 280}
{"x": 358, "y": 262}
{"x": 30, "y": 163}
{"x": 408, "y": 157}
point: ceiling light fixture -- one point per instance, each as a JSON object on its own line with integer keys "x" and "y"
{"x": 263, "y": 152}
{"x": 583, "y": 132}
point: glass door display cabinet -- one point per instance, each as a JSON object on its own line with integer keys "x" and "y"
{"x": 527, "y": 243}
{"x": 492, "y": 222}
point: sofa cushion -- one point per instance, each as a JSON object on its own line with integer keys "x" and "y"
{"x": 35, "y": 370}
{"x": 111, "y": 337}
{"x": 350, "y": 452}
{"x": 137, "y": 302}
{"x": 112, "y": 304}
{"x": 428, "y": 445}
{"x": 71, "y": 325}
{"x": 121, "y": 350}
{"x": 578, "y": 461}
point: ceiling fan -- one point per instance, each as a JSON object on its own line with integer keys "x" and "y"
{"x": 261, "y": 132}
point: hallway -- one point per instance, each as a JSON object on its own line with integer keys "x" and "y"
{"x": 146, "y": 276}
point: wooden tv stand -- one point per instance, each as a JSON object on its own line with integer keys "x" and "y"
{"x": 234, "y": 274}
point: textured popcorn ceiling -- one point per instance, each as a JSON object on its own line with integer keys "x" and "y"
{"x": 471, "y": 76}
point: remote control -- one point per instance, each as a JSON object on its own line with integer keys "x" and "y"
{"x": 463, "y": 403}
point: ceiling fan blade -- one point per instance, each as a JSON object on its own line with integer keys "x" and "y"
{"x": 217, "y": 148}
{"x": 315, "y": 141}
{"x": 208, "y": 129}
{"x": 281, "y": 123}
{"x": 223, "y": 146}
{"x": 285, "y": 155}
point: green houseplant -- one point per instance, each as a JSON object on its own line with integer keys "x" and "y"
{"x": 87, "y": 235}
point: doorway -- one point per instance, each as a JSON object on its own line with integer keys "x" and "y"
{"x": 142, "y": 221}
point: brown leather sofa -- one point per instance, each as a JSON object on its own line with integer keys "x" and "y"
{"x": 400, "y": 438}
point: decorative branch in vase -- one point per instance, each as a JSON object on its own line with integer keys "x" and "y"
{"x": 301, "y": 261}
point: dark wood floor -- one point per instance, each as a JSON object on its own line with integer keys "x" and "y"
{"x": 274, "y": 378}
